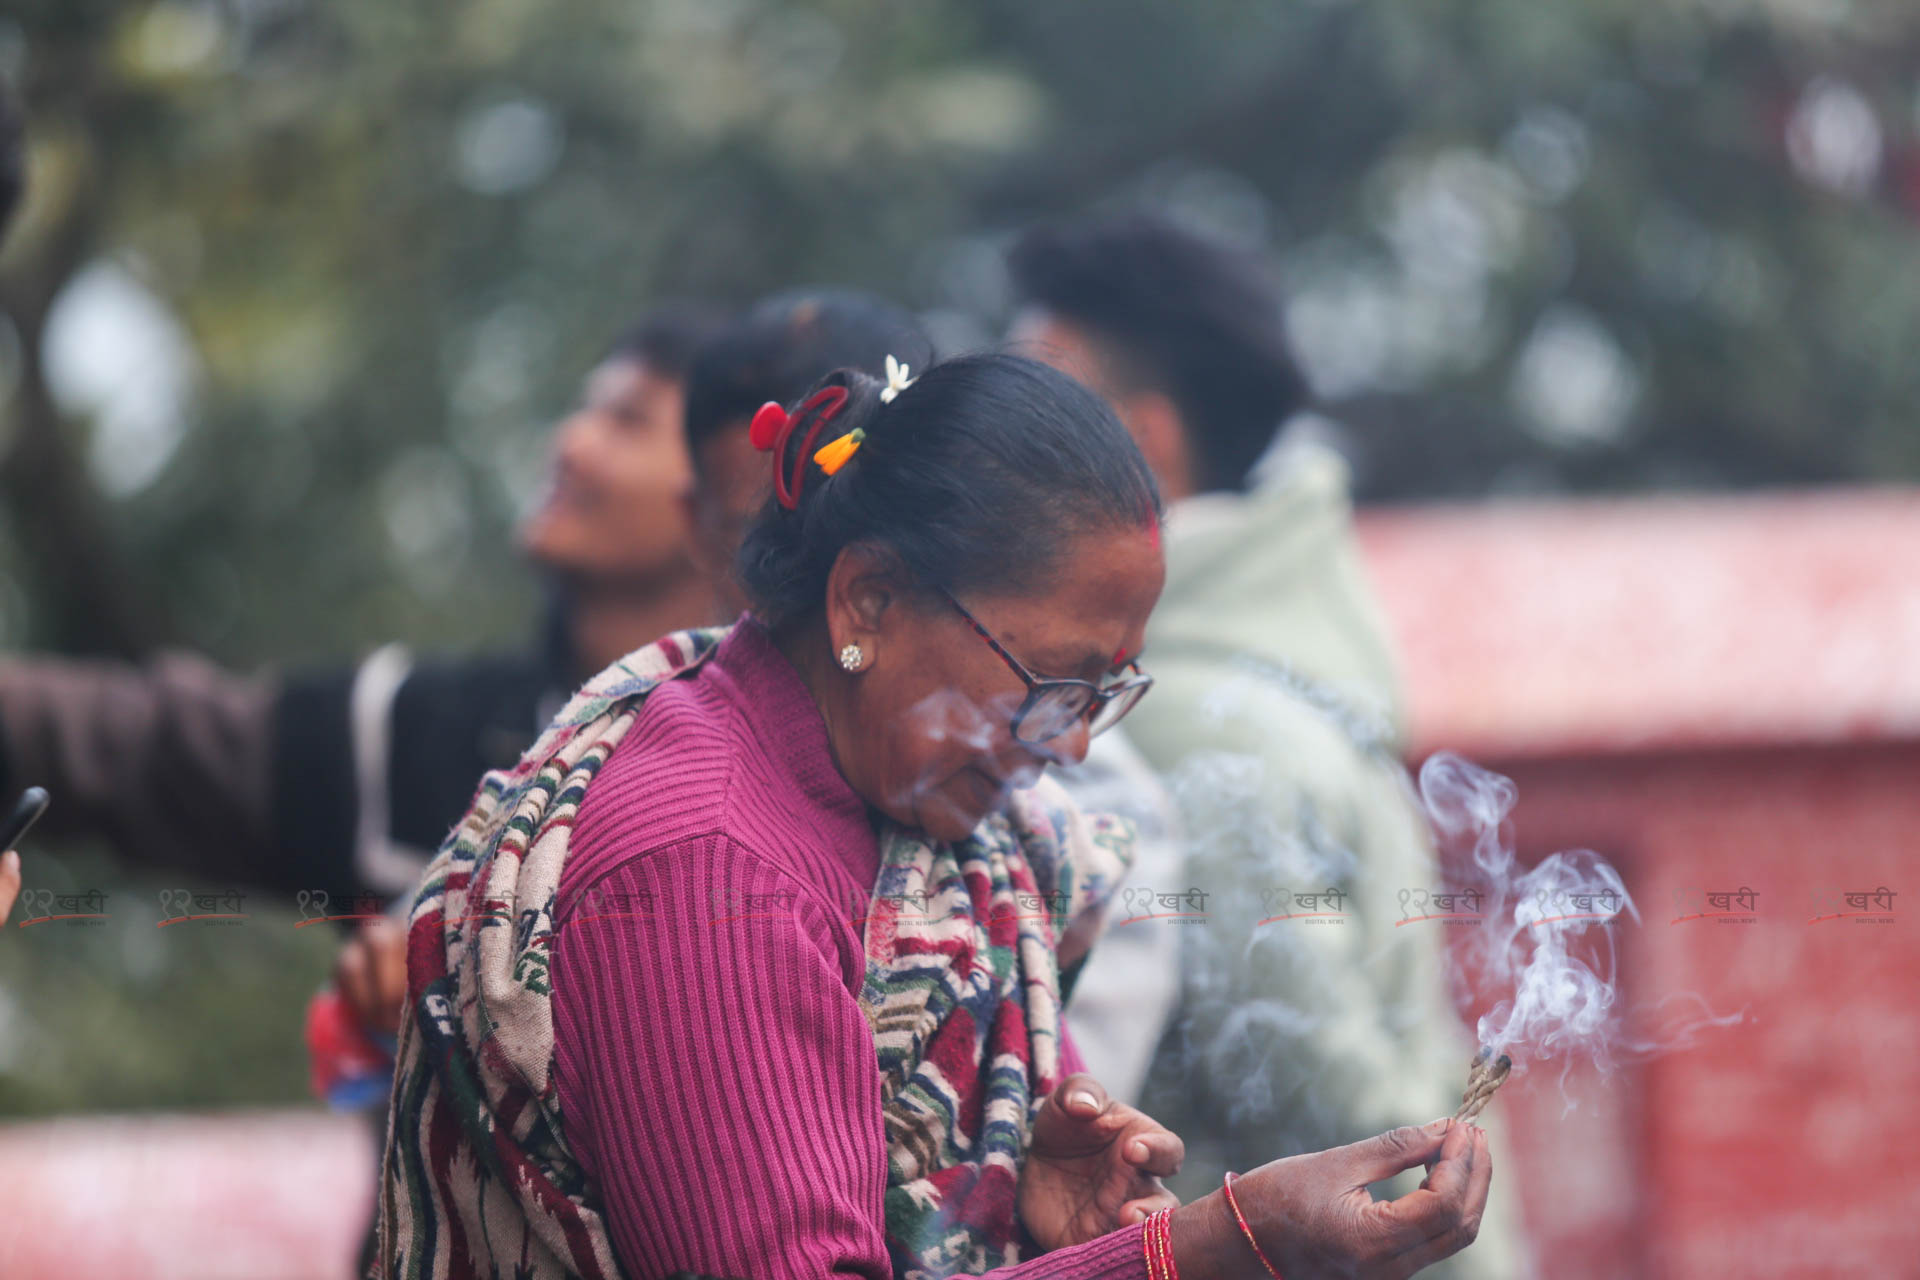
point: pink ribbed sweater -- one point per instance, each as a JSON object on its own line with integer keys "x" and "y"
{"x": 716, "y": 1073}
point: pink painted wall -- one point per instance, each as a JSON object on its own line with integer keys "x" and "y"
{"x": 244, "y": 1196}
{"x": 1786, "y": 1145}
{"x": 1714, "y": 693}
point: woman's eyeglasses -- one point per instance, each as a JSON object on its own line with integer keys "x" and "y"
{"x": 1053, "y": 707}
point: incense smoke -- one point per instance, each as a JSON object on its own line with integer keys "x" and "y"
{"x": 1548, "y": 937}
{"x": 947, "y": 715}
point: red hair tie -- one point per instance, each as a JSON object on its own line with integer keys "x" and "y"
{"x": 773, "y": 426}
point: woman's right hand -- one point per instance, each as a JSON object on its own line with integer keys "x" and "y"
{"x": 1313, "y": 1215}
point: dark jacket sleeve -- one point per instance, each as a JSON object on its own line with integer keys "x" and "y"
{"x": 336, "y": 780}
{"x": 373, "y": 765}
{"x": 168, "y": 761}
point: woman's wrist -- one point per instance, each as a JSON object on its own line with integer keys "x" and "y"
{"x": 1207, "y": 1241}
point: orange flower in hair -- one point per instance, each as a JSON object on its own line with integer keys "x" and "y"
{"x": 835, "y": 454}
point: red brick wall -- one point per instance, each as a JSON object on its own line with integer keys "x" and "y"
{"x": 1788, "y": 1145}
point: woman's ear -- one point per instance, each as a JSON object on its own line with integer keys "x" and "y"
{"x": 864, "y": 590}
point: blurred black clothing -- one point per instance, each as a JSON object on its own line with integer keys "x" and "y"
{"x": 341, "y": 780}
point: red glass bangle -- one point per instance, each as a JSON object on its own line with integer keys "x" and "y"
{"x": 1157, "y": 1239}
{"x": 1247, "y": 1231}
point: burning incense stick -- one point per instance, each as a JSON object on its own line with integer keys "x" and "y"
{"x": 1485, "y": 1074}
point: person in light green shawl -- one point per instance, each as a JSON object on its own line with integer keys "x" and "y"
{"x": 1275, "y": 721}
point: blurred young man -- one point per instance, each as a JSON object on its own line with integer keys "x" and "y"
{"x": 610, "y": 534}
{"x": 345, "y": 780}
{"x": 1274, "y": 717}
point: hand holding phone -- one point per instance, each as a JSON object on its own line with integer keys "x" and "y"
{"x": 33, "y": 803}
{"x": 26, "y": 811}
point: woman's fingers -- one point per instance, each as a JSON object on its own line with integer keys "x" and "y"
{"x": 1452, "y": 1200}
{"x": 1379, "y": 1158}
{"x": 1154, "y": 1150}
{"x": 1081, "y": 1096}
{"x": 1480, "y": 1184}
{"x": 1137, "y": 1210}
{"x": 1460, "y": 1233}
{"x": 1449, "y": 1175}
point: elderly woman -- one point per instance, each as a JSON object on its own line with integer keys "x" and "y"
{"x": 754, "y": 965}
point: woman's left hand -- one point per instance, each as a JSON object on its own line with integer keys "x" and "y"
{"x": 1094, "y": 1165}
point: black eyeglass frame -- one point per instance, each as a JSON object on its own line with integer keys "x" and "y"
{"x": 1099, "y": 698}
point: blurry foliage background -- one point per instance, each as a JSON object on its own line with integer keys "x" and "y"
{"x": 299, "y": 286}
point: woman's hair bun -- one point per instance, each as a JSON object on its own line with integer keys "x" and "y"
{"x": 973, "y": 477}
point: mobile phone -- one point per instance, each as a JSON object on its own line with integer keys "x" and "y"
{"x": 32, "y": 803}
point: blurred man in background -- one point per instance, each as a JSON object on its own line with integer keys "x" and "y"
{"x": 1274, "y": 717}
{"x": 344, "y": 780}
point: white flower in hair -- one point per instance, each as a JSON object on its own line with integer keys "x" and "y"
{"x": 897, "y": 380}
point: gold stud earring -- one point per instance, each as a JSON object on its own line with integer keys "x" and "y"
{"x": 852, "y": 657}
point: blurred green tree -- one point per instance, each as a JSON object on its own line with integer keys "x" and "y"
{"x": 1589, "y": 245}
{"x": 298, "y": 284}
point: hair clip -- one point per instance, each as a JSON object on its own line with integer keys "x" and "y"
{"x": 773, "y": 426}
{"x": 897, "y": 381}
{"x": 769, "y": 420}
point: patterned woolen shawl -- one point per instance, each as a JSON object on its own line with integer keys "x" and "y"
{"x": 964, "y": 947}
